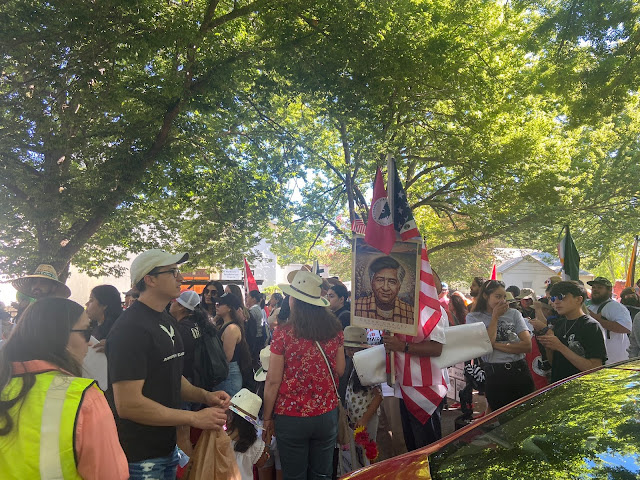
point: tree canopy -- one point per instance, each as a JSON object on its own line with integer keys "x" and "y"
{"x": 205, "y": 125}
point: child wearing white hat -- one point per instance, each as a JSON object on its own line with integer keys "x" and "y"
{"x": 242, "y": 420}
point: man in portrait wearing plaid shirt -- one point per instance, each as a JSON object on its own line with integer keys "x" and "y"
{"x": 386, "y": 276}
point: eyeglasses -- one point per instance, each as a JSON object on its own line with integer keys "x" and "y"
{"x": 558, "y": 297}
{"x": 86, "y": 333}
{"x": 174, "y": 271}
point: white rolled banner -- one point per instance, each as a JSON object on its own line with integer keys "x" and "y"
{"x": 464, "y": 342}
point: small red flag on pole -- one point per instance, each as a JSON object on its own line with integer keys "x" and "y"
{"x": 494, "y": 273}
{"x": 249, "y": 281}
{"x": 380, "y": 232}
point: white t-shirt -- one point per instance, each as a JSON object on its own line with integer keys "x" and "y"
{"x": 246, "y": 460}
{"x": 616, "y": 343}
{"x": 437, "y": 335}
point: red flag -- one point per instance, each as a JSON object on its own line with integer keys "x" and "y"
{"x": 380, "y": 232}
{"x": 494, "y": 273}
{"x": 249, "y": 281}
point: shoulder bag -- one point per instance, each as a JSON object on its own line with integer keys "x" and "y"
{"x": 344, "y": 437}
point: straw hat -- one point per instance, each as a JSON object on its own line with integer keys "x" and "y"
{"x": 247, "y": 405}
{"x": 509, "y": 298}
{"x": 265, "y": 357}
{"x": 24, "y": 284}
{"x": 306, "y": 287}
{"x": 526, "y": 294}
{"x": 355, "y": 337}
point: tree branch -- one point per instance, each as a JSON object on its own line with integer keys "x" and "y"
{"x": 422, "y": 173}
{"x": 464, "y": 241}
{"x": 235, "y": 13}
{"x": 317, "y": 237}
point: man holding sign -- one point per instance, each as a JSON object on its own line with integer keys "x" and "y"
{"x": 420, "y": 384}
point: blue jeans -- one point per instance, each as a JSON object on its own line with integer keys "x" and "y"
{"x": 306, "y": 445}
{"x": 233, "y": 383}
{"x": 161, "y": 468}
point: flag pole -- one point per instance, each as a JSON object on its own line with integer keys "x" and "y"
{"x": 391, "y": 375}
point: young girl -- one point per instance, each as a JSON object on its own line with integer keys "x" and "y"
{"x": 242, "y": 419}
{"x": 507, "y": 373}
{"x": 362, "y": 402}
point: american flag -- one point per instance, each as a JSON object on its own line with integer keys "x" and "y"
{"x": 423, "y": 385}
{"x": 358, "y": 225}
{"x": 403, "y": 220}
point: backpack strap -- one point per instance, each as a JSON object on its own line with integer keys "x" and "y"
{"x": 602, "y": 305}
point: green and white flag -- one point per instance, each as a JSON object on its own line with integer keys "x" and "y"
{"x": 569, "y": 256}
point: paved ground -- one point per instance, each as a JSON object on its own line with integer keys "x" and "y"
{"x": 449, "y": 416}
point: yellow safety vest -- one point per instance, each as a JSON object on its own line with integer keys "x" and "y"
{"x": 41, "y": 443}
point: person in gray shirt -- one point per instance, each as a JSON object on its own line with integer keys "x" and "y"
{"x": 507, "y": 374}
{"x": 634, "y": 338}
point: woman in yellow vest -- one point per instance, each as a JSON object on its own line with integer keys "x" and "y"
{"x": 53, "y": 423}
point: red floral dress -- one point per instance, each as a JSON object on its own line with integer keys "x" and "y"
{"x": 306, "y": 389}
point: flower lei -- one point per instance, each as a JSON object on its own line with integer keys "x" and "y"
{"x": 362, "y": 438}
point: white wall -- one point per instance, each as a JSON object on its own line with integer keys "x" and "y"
{"x": 265, "y": 270}
{"x": 528, "y": 270}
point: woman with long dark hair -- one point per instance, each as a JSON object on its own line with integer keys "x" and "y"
{"x": 104, "y": 307}
{"x": 234, "y": 343}
{"x": 457, "y": 309}
{"x": 300, "y": 398}
{"x": 507, "y": 373}
{"x": 44, "y": 402}
{"x": 210, "y": 292}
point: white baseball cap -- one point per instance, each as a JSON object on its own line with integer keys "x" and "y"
{"x": 189, "y": 299}
{"x": 147, "y": 261}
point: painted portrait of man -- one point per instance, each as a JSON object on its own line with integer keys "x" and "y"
{"x": 384, "y": 292}
{"x": 386, "y": 276}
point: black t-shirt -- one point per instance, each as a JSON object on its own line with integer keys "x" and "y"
{"x": 146, "y": 345}
{"x": 584, "y": 337}
{"x": 344, "y": 315}
{"x": 189, "y": 331}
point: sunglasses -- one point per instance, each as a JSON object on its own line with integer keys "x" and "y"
{"x": 86, "y": 333}
{"x": 558, "y": 297}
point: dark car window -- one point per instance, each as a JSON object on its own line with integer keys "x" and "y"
{"x": 588, "y": 428}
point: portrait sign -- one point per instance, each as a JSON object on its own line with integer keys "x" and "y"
{"x": 385, "y": 288}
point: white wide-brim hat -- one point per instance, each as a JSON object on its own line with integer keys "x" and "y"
{"x": 247, "y": 405}
{"x": 265, "y": 358}
{"x": 306, "y": 287}
{"x": 23, "y": 284}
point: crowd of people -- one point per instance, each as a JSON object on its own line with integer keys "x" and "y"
{"x": 277, "y": 376}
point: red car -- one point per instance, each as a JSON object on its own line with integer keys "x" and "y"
{"x": 583, "y": 427}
